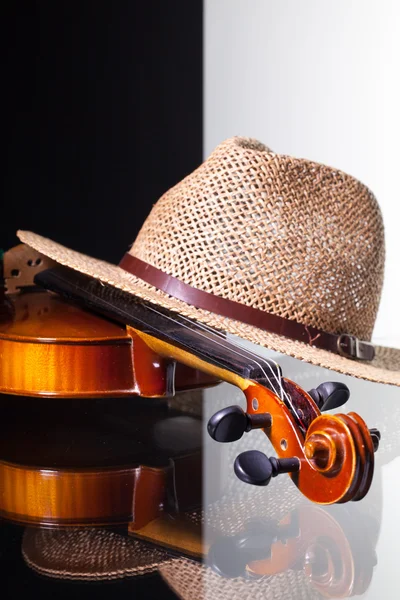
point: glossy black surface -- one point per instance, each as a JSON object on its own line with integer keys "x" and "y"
{"x": 87, "y": 433}
{"x": 94, "y": 432}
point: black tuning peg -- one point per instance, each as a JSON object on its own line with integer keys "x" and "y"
{"x": 226, "y": 559}
{"x": 228, "y": 556}
{"x": 329, "y": 395}
{"x": 376, "y": 436}
{"x": 229, "y": 424}
{"x": 256, "y": 468}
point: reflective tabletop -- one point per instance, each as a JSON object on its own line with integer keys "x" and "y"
{"x": 272, "y": 542}
{"x": 237, "y": 541}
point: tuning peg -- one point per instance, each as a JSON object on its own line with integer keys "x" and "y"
{"x": 229, "y": 424}
{"x": 228, "y": 556}
{"x": 376, "y": 436}
{"x": 226, "y": 559}
{"x": 329, "y": 395}
{"x": 256, "y": 468}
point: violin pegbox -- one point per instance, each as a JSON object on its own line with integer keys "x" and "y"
{"x": 329, "y": 457}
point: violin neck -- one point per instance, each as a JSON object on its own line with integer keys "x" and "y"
{"x": 186, "y": 334}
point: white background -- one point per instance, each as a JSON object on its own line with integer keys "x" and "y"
{"x": 321, "y": 80}
{"x": 318, "y": 80}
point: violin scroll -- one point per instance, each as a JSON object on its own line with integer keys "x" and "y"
{"x": 329, "y": 457}
{"x": 340, "y": 443}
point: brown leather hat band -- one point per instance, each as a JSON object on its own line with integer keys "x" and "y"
{"x": 343, "y": 344}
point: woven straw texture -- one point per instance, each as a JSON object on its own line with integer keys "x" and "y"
{"x": 288, "y": 236}
{"x": 194, "y": 581}
{"x": 88, "y": 554}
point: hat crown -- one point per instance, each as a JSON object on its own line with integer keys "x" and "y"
{"x": 281, "y": 234}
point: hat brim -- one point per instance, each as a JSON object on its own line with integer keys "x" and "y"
{"x": 385, "y": 368}
{"x": 88, "y": 554}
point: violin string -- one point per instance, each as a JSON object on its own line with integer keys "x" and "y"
{"x": 217, "y": 334}
{"x": 254, "y": 357}
{"x": 249, "y": 354}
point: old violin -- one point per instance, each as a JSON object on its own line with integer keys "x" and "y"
{"x": 50, "y": 347}
{"x": 329, "y": 457}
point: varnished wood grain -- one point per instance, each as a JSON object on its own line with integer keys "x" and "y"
{"x": 50, "y": 347}
{"x": 66, "y": 497}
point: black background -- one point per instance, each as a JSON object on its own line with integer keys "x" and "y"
{"x": 102, "y": 114}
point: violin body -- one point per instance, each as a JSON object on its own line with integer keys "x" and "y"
{"x": 50, "y": 347}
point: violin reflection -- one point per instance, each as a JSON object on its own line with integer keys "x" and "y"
{"x": 98, "y": 462}
{"x": 327, "y": 553}
{"x": 336, "y": 552}
{"x": 321, "y": 546}
{"x": 308, "y": 552}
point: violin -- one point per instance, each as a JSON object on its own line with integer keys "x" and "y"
{"x": 330, "y": 458}
{"x": 97, "y": 463}
{"x": 50, "y": 347}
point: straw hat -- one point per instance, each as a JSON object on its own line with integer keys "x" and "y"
{"x": 283, "y": 252}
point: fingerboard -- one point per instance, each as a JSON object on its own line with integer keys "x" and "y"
{"x": 123, "y": 307}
